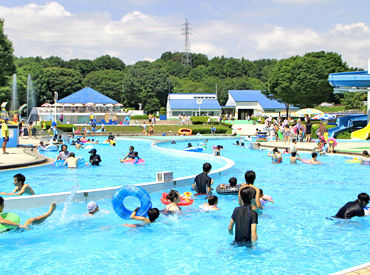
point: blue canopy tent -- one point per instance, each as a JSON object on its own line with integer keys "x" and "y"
{"x": 87, "y": 95}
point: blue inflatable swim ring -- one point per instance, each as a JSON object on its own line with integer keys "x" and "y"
{"x": 194, "y": 149}
{"x": 60, "y": 163}
{"x": 51, "y": 148}
{"x": 131, "y": 190}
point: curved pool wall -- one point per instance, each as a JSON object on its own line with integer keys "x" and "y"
{"x": 26, "y": 202}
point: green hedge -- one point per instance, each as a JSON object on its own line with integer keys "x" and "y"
{"x": 63, "y": 127}
{"x": 344, "y": 135}
{"x": 199, "y": 119}
{"x": 139, "y": 117}
{"x": 219, "y": 130}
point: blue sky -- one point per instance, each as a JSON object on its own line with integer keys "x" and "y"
{"x": 135, "y": 30}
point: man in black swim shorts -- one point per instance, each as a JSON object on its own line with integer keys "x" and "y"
{"x": 354, "y": 208}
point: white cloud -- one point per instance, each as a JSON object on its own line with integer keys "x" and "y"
{"x": 299, "y": 2}
{"x": 50, "y": 29}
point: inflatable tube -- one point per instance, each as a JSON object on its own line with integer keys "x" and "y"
{"x": 194, "y": 149}
{"x": 367, "y": 211}
{"x": 263, "y": 202}
{"x": 88, "y": 147}
{"x": 332, "y": 141}
{"x": 51, "y": 148}
{"x": 134, "y": 161}
{"x": 185, "y": 131}
{"x": 207, "y": 207}
{"x": 234, "y": 190}
{"x": 134, "y": 191}
{"x": 10, "y": 217}
{"x": 307, "y": 161}
{"x": 354, "y": 160}
{"x": 274, "y": 160}
{"x": 184, "y": 201}
{"x": 365, "y": 162}
{"x": 60, "y": 163}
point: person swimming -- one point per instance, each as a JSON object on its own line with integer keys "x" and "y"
{"x": 354, "y": 208}
{"x": 174, "y": 197}
{"x": 211, "y": 204}
{"x": 92, "y": 208}
{"x": 130, "y": 154}
{"x": 20, "y": 187}
{"x": 71, "y": 161}
{"x": 94, "y": 157}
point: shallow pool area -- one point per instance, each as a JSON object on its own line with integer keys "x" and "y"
{"x": 294, "y": 234}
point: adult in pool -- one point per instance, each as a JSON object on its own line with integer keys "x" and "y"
{"x": 354, "y": 208}
{"x": 20, "y": 187}
{"x": 29, "y": 222}
{"x": 94, "y": 157}
{"x": 294, "y": 157}
{"x": 314, "y": 159}
{"x": 245, "y": 218}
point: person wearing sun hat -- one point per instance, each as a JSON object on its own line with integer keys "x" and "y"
{"x": 92, "y": 208}
{"x": 5, "y": 133}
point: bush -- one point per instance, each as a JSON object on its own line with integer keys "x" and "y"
{"x": 162, "y": 111}
{"x": 344, "y": 135}
{"x": 63, "y": 127}
{"x": 219, "y": 130}
{"x": 139, "y": 117}
{"x": 199, "y": 119}
{"x": 66, "y": 127}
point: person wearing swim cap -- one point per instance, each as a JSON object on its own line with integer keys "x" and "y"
{"x": 92, "y": 208}
{"x": 30, "y": 221}
{"x": 354, "y": 208}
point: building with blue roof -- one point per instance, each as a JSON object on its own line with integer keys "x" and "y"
{"x": 244, "y": 103}
{"x": 193, "y": 105}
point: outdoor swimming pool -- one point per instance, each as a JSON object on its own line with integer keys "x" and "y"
{"x": 111, "y": 172}
{"x": 294, "y": 234}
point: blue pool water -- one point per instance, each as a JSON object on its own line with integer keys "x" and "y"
{"x": 294, "y": 235}
{"x": 111, "y": 172}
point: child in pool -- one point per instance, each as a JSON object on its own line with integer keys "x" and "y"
{"x": 294, "y": 157}
{"x": 211, "y": 205}
{"x": 314, "y": 160}
{"x": 232, "y": 183}
{"x": 365, "y": 158}
{"x": 174, "y": 198}
{"x": 71, "y": 161}
{"x": 265, "y": 198}
{"x": 20, "y": 187}
{"x": 130, "y": 154}
{"x": 276, "y": 156}
{"x": 153, "y": 214}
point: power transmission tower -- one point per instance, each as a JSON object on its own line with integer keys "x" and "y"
{"x": 186, "y": 58}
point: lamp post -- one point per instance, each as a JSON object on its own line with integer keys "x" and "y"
{"x": 55, "y": 105}
{"x": 199, "y": 102}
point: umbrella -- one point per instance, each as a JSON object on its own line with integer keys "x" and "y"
{"x": 308, "y": 111}
{"x": 109, "y": 105}
{"x": 99, "y": 105}
{"x": 89, "y": 104}
{"x": 67, "y": 105}
{"x": 46, "y": 105}
{"x": 324, "y": 116}
{"x": 118, "y": 105}
{"x": 78, "y": 105}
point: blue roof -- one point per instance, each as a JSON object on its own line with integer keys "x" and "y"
{"x": 87, "y": 95}
{"x": 185, "y": 104}
{"x": 256, "y": 95}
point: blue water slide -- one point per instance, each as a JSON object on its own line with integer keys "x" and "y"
{"x": 346, "y": 122}
{"x": 350, "y": 79}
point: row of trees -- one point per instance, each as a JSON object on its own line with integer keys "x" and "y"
{"x": 298, "y": 80}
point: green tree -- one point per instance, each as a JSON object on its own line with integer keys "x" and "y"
{"x": 108, "y": 82}
{"x": 63, "y": 81}
{"x": 7, "y": 66}
{"x": 353, "y": 100}
{"x": 198, "y": 73}
{"x": 299, "y": 81}
{"x": 107, "y": 62}
{"x": 84, "y": 66}
{"x": 145, "y": 81}
{"x": 153, "y": 105}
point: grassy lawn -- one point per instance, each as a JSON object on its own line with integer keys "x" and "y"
{"x": 331, "y": 109}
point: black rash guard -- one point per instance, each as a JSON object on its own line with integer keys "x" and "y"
{"x": 350, "y": 210}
